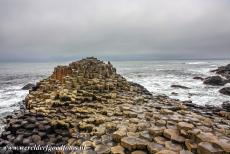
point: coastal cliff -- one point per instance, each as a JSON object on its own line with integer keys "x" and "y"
{"x": 88, "y": 104}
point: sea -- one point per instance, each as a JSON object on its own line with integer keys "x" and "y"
{"x": 157, "y": 76}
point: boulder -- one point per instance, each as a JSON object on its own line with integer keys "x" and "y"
{"x": 223, "y": 71}
{"x": 174, "y": 93}
{"x": 28, "y": 86}
{"x": 225, "y": 91}
{"x": 226, "y": 106}
{"x": 214, "y": 81}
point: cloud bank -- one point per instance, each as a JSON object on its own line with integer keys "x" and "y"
{"x": 138, "y": 29}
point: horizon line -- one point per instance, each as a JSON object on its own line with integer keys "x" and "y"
{"x": 108, "y": 59}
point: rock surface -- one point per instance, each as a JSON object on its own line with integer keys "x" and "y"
{"x": 198, "y": 78}
{"x": 179, "y": 86}
{"x": 226, "y": 106}
{"x": 87, "y": 103}
{"x": 225, "y": 91}
{"x": 215, "y": 81}
{"x": 29, "y": 86}
{"x": 223, "y": 71}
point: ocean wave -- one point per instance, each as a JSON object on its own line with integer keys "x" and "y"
{"x": 196, "y": 63}
{"x": 11, "y": 95}
{"x": 9, "y": 102}
{"x": 161, "y": 69}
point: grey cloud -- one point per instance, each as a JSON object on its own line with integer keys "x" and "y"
{"x": 47, "y": 29}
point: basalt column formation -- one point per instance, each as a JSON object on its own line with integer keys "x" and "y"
{"x": 88, "y": 104}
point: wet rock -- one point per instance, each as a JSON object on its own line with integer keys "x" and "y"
{"x": 174, "y": 93}
{"x": 226, "y": 106}
{"x": 215, "y": 81}
{"x": 198, "y": 78}
{"x": 180, "y": 86}
{"x": 224, "y": 71}
{"x": 28, "y": 86}
{"x": 225, "y": 91}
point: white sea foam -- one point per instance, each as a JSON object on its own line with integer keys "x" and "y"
{"x": 196, "y": 63}
{"x": 158, "y": 80}
{"x": 12, "y": 99}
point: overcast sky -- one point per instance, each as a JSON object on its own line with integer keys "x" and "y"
{"x": 40, "y": 30}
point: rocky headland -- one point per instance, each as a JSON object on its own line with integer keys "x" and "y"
{"x": 88, "y": 104}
